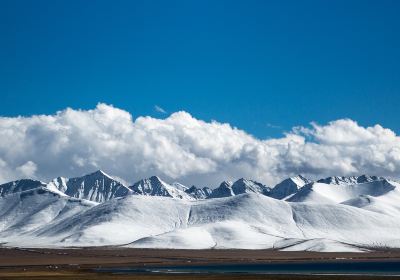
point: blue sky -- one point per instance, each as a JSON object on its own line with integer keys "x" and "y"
{"x": 263, "y": 66}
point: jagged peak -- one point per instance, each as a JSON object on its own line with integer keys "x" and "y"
{"x": 298, "y": 180}
{"x": 300, "y": 177}
{"x": 242, "y": 180}
{"x": 99, "y": 173}
{"x": 225, "y": 184}
{"x": 157, "y": 187}
{"x": 247, "y": 181}
{"x": 192, "y": 189}
{"x": 369, "y": 178}
{"x": 289, "y": 186}
{"x": 96, "y": 174}
{"x": 155, "y": 179}
{"x": 346, "y": 180}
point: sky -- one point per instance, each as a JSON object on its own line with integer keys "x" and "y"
{"x": 263, "y": 67}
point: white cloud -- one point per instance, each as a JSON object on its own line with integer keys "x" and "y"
{"x": 180, "y": 147}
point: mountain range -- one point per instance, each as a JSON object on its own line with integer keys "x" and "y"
{"x": 357, "y": 213}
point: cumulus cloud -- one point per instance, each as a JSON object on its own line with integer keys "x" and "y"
{"x": 183, "y": 148}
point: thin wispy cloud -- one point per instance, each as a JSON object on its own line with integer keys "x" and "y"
{"x": 159, "y": 109}
{"x": 271, "y": 125}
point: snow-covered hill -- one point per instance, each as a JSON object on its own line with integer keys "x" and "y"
{"x": 333, "y": 214}
{"x": 338, "y": 193}
{"x": 24, "y": 213}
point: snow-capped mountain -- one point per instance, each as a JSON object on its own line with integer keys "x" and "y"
{"x": 197, "y": 193}
{"x": 288, "y": 187}
{"x": 224, "y": 190}
{"x": 337, "y": 193}
{"x": 154, "y": 186}
{"x": 384, "y": 199}
{"x": 352, "y": 180}
{"x": 240, "y": 186}
{"x": 97, "y": 187}
{"x": 332, "y": 214}
{"x": 248, "y": 186}
{"x": 19, "y": 186}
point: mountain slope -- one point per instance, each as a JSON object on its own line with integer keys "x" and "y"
{"x": 97, "y": 187}
{"x": 120, "y": 221}
{"x": 387, "y": 203}
{"x": 256, "y": 222}
{"x": 340, "y": 216}
{"x": 250, "y": 221}
{"x": 24, "y": 212}
{"x": 19, "y": 186}
{"x": 337, "y": 193}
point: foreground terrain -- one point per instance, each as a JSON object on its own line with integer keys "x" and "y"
{"x": 18, "y": 263}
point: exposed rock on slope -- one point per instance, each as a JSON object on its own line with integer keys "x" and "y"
{"x": 97, "y": 187}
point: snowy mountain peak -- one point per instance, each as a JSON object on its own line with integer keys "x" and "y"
{"x": 240, "y": 186}
{"x": 99, "y": 173}
{"x": 366, "y": 178}
{"x": 155, "y": 179}
{"x": 300, "y": 180}
{"x": 226, "y": 184}
{"x": 351, "y": 180}
{"x": 224, "y": 190}
{"x": 199, "y": 193}
{"x": 154, "y": 186}
{"x": 20, "y": 186}
{"x": 242, "y": 181}
{"x": 343, "y": 189}
{"x": 96, "y": 186}
{"x": 249, "y": 186}
{"x": 289, "y": 186}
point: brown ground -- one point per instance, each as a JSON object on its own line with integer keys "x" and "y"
{"x": 78, "y": 263}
